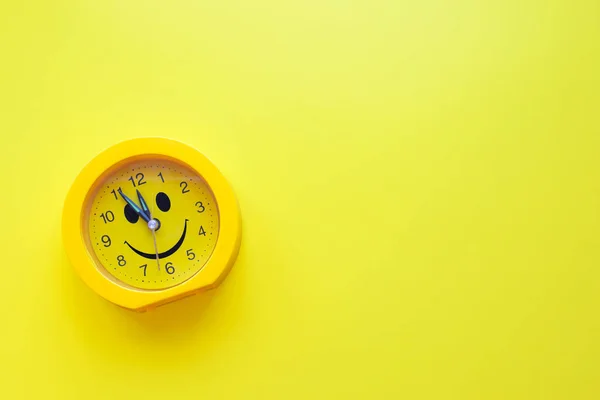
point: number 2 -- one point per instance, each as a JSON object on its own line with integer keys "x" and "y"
{"x": 183, "y": 186}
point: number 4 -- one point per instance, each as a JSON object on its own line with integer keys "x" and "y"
{"x": 202, "y": 231}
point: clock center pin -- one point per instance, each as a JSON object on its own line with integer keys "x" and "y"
{"x": 154, "y": 224}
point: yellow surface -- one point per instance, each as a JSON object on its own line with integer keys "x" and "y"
{"x": 419, "y": 185}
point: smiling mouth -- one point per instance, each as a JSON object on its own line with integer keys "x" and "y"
{"x": 152, "y": 256}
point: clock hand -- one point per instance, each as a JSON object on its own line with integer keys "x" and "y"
{"x": 135, "y": 207}
{"x": 144, "y": 212}
{"x": 153, "y": 227}
{"x": 156, "y": 248}
{"x": 143, "y": 204}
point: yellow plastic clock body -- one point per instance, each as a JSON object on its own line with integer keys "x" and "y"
{"x": 149, "y": 221}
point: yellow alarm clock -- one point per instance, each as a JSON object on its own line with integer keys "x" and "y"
{"x": 149, "y": 221}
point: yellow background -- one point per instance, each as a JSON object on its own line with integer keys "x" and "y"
{"x": 419, "y": 184}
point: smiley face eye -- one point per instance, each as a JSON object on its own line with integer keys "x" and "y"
{"x": 163, "y": 202}
{"x": 131, "y": 215}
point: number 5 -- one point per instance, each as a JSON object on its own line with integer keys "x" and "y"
{"x": 190, "y": 254}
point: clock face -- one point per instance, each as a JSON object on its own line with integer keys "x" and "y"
{"x": 152, "y": 223}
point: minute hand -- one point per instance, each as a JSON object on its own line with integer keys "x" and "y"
{"x": 135, "y": 207}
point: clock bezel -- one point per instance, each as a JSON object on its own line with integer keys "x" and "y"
{"x": 86, "y": 183}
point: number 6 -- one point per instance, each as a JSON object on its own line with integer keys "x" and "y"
{"x": 170, "y": 268}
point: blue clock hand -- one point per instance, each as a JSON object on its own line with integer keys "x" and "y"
{"x": 143, "y": 204}
{"x": 135, "y": 207}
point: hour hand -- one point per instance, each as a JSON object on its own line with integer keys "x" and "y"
{"x": 135, "y": 207}
{"x": 144, "y": 204}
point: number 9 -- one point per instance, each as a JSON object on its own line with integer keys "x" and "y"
{"x": 106, "y": 240}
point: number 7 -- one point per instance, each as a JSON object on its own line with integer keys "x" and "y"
{"x": 144, "y": 266}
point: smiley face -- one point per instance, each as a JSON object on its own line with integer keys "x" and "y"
{"x": 188, "y": 224}
{"x": 164, "y": 204}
